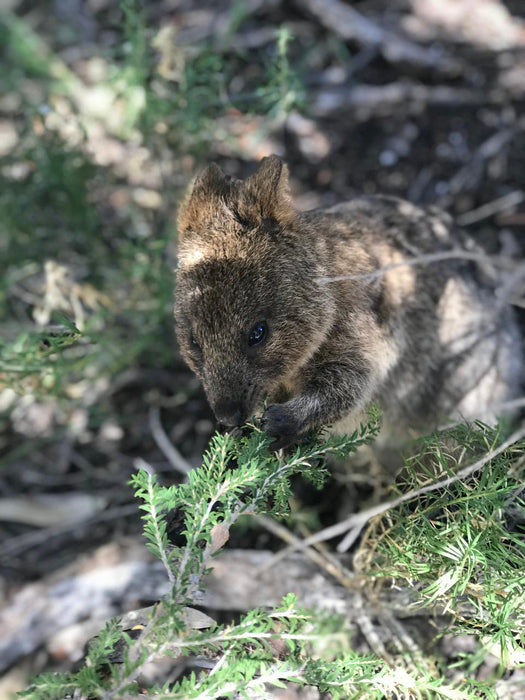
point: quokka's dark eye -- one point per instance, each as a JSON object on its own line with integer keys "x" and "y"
{"x": 258, "y": 333}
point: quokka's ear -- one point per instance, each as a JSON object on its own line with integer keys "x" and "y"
{"x": 211, "y": 181}
{"x": 270, "y": 188}
{"x": 210, "y": 186}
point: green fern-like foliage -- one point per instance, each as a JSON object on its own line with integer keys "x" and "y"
{"x": 237, "y": 477}
{"x": 451, "y": 548}
{"x": 461, "y": 549}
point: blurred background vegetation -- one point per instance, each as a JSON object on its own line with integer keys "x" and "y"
{"x": 107, "y": 110}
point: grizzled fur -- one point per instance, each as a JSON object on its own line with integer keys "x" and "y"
{"x": 426, "y": 341}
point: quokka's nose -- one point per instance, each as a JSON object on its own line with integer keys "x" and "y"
{"x": 230, "y": 413}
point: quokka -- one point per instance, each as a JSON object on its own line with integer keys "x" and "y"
{"x": 310, "y": 316}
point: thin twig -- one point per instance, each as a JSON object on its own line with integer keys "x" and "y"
{"x": 351, "y": 25}
{"x": 505, "y": 263}
{"x": 34, "y": 538}
{"x": 331, "y": 565}
{"x": 355, "y": 523}
{"x": 498, "y": 205}
{"x": 164, "y": 444}
{"x": 503, "y": 293}
{"x": 509, "y": 406}
{"x": 334, "y": 568}
{"x": 363, "y": 99}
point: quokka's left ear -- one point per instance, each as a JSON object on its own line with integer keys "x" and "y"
{"x": 270, "y": 187}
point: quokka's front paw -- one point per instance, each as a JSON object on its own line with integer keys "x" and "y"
{"x": 279, "y": 422}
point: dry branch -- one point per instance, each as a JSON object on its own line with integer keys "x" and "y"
{"x": 497, "y": 206}
{"x": 352, "y": 526}
{"x": 381, "y": 99}
{"x": 350, "y": 25}
{"x": 169, "y": 450}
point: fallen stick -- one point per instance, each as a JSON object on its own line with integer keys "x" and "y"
{"x": 351, "y": 25}
{"x": 174, "y": 457}
{"x": 352, "y": 526}
{"x": 487, "y": 210}
{"x": 407, "y": 94}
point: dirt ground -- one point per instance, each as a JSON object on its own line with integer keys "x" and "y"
{"x": 423, "y": 99}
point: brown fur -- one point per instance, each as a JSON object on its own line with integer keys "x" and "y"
{"x": 426, "y": 341}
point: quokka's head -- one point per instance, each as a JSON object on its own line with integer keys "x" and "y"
{"x": 248, "y": 310}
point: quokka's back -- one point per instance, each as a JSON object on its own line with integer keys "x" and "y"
{"x": 309, "y": 317}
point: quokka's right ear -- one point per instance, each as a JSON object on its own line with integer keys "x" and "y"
{"x": 209, "y": 186}
{"x": 270, "y": 189}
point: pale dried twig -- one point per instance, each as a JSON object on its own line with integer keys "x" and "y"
{"x": 167, "y": 448}
{"x": 458, "y": 254}
{"x": 323, "y": 559}
{"x": 363, "y": 99}
{"x": 495, "y": 207}
{"x": 351, "y": 25}
{"x": 355, "y": 523}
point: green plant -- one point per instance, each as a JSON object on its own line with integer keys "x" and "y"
{"x": 241, "y": 477}
{"x": 461, "y": 549}
{"x": 283, "y": 91}
{"x": 457, "y": 549}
